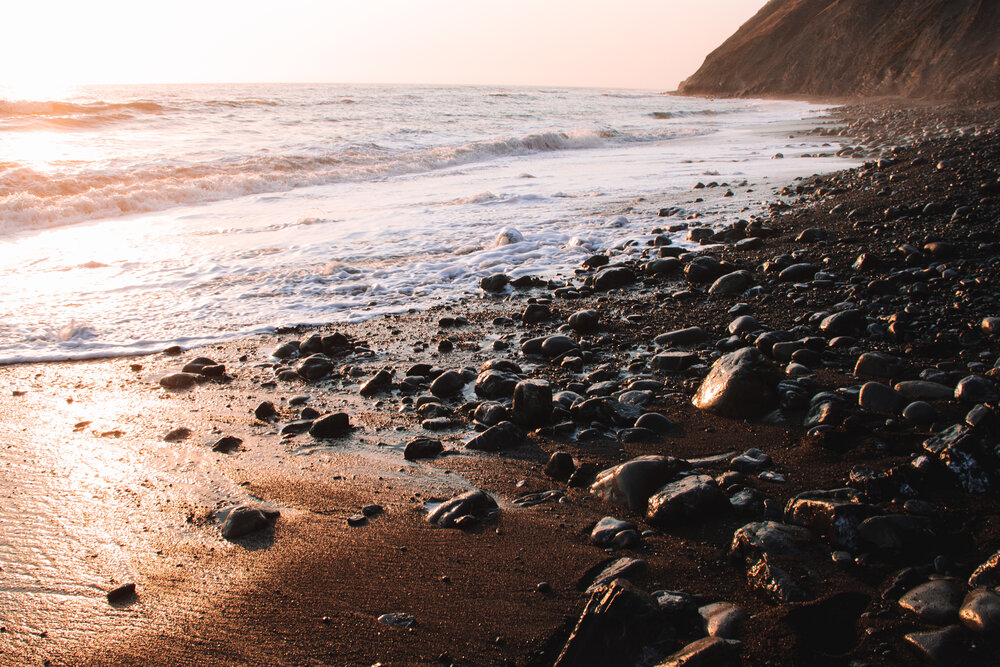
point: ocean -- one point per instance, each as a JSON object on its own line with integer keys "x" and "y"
{"x": 133, "y": 218}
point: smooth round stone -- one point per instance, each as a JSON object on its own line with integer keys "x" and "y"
{"x": 797, "y": 370}
{"x": 919, "y": 412}
{"x": 935, "y": 602}
{"x": 606, "y": 530}
{"x": 178, "y": 380}
{"x": 880, "y": 398}
{"x": 584, "y": 321}
{"x": 723, "y": 619}
{"x": 447, "y": 384}
{"x": 980, "y": 610}
{"x": 553, "y": 346}
{"x": 975, "y": 389}
{"x": 743, "y": 324}
{"x": 655, "y": 422}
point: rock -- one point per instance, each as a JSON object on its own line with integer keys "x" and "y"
{"x": 314, "y": 367}
{"x": 844, "y": 323}
{"x": 798, "y": 273}
{"x": 921, "y": 390}
{"x": 876, "y": 364}
{"x": 494, "y": 283}
{"x": 504, "y": 435}
{"x": 945, "y": 647}
{"x": 534, "y": 313}
{"x": 606, "y": 410}
{"x": 265, "y": 411}
{"x": 226, "y": 444}
{"x": 331, "y": 426}
{"x": 832, "y": 514}
{"x": 532, "y": 406}
{"x": 491, "y": 414}
{"x": 983, "y": 421}
{"x": 507, "y": 236}
{"x": 987, "y": 574}
{"x": 381, "y": 381}
{"x": 178, "y": 380}
{"x": 286, "y": 350}
{"x": 972, "y": 389}
{"x": 706, "y": 652}
{"x": 397, "y": 619}
{"x": 959, "y": 449}
{"x": 755, "y": 540}
{"x": 736, "y": 282}
{"x": 704, "y": 269}
{"x": 584, "y": 321}
{"x": 723, "y": 619}
{"x": 751, "y": 461}
{"x": 618, "y": 621}
{"x": 122, "y": 594}
{"x": 673, "y": 361}
{"x": 620, "y": 568}
{"x": 560, "y": 466}
{"x": 612, "y": 278}
{"x": 447, "y": 384}
{"x": 896, "y": 534}
{"x": 422, "y": 448}
{"x": 879, "y": 398}
{"x": 743, "y": 324}
{"x": 633, "y": 482}
{"x": 473, "y": 503}
{"x": 495, "y": 384}
{"x": 935, "y": 602}
{"x": 177, "y": 434}
{"x": 690, "y": 498}
{"x": 655, "y": 422}
{"x": 688, "y": 336}
{"x": 596, "y": 261}
{"x": 740, "y": 384}
{"x": 774, "y": 583}
{"x": 606, "y": 530}
{"x": 662, "y": 266}
{"x": 553, "y": 346}
{"x": 245, "y": 519}
{"x": 980, "y": 611}
{"x": 919, "y": 413}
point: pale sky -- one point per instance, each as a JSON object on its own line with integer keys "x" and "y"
{"x": 608, "y": 43}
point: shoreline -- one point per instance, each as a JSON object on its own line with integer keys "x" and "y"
{"x": 311, "y": 588}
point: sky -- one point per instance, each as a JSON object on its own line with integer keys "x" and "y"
{"x": 650, "y": 44}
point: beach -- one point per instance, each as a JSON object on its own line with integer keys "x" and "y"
{"x": 98, "y": 497}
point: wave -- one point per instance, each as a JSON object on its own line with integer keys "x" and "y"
{"x": 31, "y": 199}
{"x": 21, "y": 108}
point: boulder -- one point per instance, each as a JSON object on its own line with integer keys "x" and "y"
{"x": 633, "y": 482}
{"x": 687, "y": 499}
{"x": 532, "y": 406}
{"x": 740, "y": 384}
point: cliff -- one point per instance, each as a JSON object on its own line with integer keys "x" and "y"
{"x": 920, "y": 49}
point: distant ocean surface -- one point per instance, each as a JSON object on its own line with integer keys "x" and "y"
{"x": 133, "y": 218}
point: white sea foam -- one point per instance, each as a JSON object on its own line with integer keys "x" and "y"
{"x": 215, "y": 213}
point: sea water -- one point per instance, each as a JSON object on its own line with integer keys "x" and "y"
{"x": 134, "y": 218}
